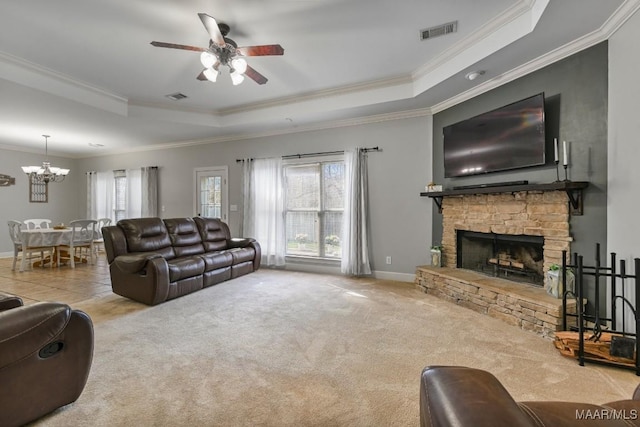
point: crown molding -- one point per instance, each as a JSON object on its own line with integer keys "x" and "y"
{"x": 606, "y": 30}
{"x": 321, "y": 94}
{"x": 36, "y": 76}
{"x": 378, "y": 118}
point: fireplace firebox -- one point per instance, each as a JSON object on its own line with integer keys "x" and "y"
{"x": 515, "y": 257}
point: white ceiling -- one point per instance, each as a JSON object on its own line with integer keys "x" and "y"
{"x": 84, "y": 72}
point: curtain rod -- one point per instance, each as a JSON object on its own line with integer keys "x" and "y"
{"x": 322, "y": 153}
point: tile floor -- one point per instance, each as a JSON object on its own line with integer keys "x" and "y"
{"x": 62, "y": 284}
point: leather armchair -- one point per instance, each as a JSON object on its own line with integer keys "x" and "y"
{"x": 460, "y": 396}
{"x": 46, "y": 350}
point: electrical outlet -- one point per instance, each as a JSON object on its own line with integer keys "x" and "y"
{"x": 388, "y": 260}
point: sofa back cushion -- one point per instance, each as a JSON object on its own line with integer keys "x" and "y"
{"x": 147, "y": 235}
{"x": 185, "y": 236}
{"x": 214, "y": 233}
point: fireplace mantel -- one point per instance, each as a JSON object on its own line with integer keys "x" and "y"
{"x": 572, "y": 188}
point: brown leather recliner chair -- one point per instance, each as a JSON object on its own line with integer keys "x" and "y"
{"x": 466, "y": 397}
{"x": 46, "y": 350}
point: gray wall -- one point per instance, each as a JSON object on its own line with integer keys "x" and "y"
{"x": 400, "y": 219}
{"x": 576, "y": 111}
{"x": 624, "y": 132}
{"x": 63, "y": 205}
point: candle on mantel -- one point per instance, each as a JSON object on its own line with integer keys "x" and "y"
{"x": 566, "y": 156}
{"x": 555, "y": 149}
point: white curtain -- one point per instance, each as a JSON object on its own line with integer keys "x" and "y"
{"x": 100, "y": 195}
{"x": 355, "y": 226}
{"x": 264, "y": 209}
{"x": 141, "y": 193}
{"x": 246, "y": 196}
{"x": 149, "y": 199}
{"x": 133, "y": 204}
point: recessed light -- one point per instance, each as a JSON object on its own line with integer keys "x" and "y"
{"x": 474, "y": 75}
{"x": 94, "y": 144}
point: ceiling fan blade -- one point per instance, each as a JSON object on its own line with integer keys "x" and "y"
{"x": 178, "y": 46}
{"x": 255, "y": 76}
{"x": 212, "y": 28}
{"x": 263, "y": 50}
{"x": 201, "y": 76}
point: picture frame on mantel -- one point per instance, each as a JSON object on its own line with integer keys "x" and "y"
{"x": 38, "y": 191}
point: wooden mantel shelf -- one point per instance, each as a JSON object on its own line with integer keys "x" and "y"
{"x": 572, "y": 188}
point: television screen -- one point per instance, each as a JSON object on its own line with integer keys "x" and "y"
{"x": 509, "y": 137}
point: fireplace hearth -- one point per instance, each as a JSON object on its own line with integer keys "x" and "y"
{"x": 527, "y": 230}
{"x": 515, "y": 257}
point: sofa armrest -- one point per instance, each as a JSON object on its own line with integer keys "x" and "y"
{"x": 8, "y": 301}
{"x": 25, "y": 330}
{"x": 239, "y": 242}
{"x": 459, "y": 396}
{"x": 46, "y": 351}
{"x": 134, "y": 263}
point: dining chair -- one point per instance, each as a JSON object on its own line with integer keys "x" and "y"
{"x": 99, "y": 241}
{"x": 37, "y": 223}
{"x": 83, "y": 233}
{"x": 28, "y": 253}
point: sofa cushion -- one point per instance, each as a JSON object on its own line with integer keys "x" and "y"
{"x": 242, "y": 254}
{"x": 183, "y": 267}
{"x": 185, "y": 236}
{"x": 215, "y": 260}
{"x": 214, "y": 233}
{"x": 147, "y": 235}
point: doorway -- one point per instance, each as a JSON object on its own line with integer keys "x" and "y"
{"x": 211, "y": 187}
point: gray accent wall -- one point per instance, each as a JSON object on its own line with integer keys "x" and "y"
{"x": 576, "y": 91}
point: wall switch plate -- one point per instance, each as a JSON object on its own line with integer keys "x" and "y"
{"x": 388, "y": 260}
{"x": 233, "y": 208}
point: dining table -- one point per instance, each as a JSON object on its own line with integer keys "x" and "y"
{"x": 45, "y": 237}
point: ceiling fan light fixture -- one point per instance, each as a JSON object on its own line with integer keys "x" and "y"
{"x": 239, "y": 65}
{"x": 236, "y": 78}
{"x": 211, "y": 74}
{"x": 208, "y": 59}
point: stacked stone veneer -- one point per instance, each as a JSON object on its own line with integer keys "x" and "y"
{"x": 526, "y": 307}
{"x": 538, "y": 213}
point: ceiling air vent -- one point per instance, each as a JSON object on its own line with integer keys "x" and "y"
{"x": 176, "y": 96}
{"x": 440, "y": 30}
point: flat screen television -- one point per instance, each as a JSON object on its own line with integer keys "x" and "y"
{"x": 509, "y": 137}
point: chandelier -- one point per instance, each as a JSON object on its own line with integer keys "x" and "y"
{"x": 45, "y": 173}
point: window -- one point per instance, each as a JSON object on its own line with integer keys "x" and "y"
{"x": 313, "y": 208}
{"x": 120, "y": 194}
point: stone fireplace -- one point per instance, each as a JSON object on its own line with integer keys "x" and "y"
{"x": 496, "y": 248}
{"x": 544, "y": 214}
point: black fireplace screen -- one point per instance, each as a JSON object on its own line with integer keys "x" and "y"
{"x": 516, "y": 257}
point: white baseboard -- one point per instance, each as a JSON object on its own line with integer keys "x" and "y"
{"x": 391, "y": 275}
{"x": 6, "y": 254}
{"x": 314, "y": 266}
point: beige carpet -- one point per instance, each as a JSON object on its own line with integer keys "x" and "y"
{"x": 293, "y": 349}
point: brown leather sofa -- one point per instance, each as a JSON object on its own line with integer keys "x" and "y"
{"x": 46, "y": 350}
{"x": 466, "y": 397}
{"x": 153, "y": 260}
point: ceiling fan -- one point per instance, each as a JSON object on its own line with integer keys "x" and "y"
{"x": 223, "y": 51}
